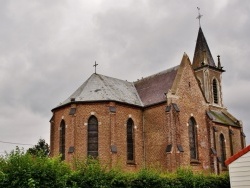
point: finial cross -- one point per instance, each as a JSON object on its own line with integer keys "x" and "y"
{"x": 95, "y": 66}
{"x": 199, "y": 16}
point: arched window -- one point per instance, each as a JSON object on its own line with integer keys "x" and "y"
{"x": 62, "y": 139}
{"x": 215, "y": 91}
{"x": 92, "y": 136}
{"x": 130, "y": 140}
{"x": 192, "y": 130}
{"x": 222, "y": 150}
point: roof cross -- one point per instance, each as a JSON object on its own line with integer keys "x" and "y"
{"x": 95, "y": 65}
{"x": 199, "y": 16}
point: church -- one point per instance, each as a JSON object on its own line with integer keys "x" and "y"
{"x": 171, "y": 119}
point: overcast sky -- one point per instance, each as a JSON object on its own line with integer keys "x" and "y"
{"x": 48, "y": 48}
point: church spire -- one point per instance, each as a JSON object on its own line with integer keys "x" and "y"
{"x": 207, "y": 72}
{"x": 202, "y": 54}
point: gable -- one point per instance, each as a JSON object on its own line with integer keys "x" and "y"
{"x": 186, "y": 81}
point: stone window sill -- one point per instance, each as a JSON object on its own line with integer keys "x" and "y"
{"x": 195, "y": 162}
{"x": 131, "y": 163}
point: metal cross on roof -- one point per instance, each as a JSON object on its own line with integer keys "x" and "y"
{"x": 199, "y": 16}
{"x": 95, "y": 66}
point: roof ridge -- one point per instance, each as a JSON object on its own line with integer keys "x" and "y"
{"x": 113, "y": 78}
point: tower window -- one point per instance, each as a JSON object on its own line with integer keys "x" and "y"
{"x": 130, "y": 140}
{"x": 192, "y": 130}
{"x": 62, "y": 140}
{"x": 93, "y": 137}
{"x": 215, "y": 91}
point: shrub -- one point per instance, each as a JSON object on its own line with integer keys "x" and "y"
{"x": 89, "y": 173}
{"x": 19, "y": 169}
{"x": 25, "y": 170}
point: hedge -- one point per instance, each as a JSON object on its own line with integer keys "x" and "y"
{"x": 20, "y": 169}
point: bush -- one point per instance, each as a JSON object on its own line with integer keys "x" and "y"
{"x": 19, "y": 169}
{"x": 89, "y": 173}
{"x": 147, "y": 178}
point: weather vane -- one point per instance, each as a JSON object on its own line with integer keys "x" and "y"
{"x": 95, "y": 66}
{"x": 199, "y": 16}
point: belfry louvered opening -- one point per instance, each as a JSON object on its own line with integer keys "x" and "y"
{"x": 215, "y": 91}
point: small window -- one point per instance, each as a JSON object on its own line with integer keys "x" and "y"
{"x": 113, "y": 148}
{"x": 72, "y": 111}
{"x": 215, "y": 91}
{"x": 169, "y": 148}
{"x": 93, "y": 137}
{"x": 180, "y": 148}
{"x": 112, "y": 109}
{"x": 71, "y": 149}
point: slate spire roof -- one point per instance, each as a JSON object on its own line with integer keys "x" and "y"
{"x": 202, "y": 54}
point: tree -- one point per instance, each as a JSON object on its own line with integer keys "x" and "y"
{"x": 40, "y": 149}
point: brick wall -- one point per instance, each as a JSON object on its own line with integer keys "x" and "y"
{"x": 111, "y": 129}
{"x": 155, "y": 136}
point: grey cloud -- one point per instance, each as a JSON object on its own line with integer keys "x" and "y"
{"x": 48, "y": 49}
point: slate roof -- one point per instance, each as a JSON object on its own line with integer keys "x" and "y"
{"x": 222, "y": 118}
{"x": 152, "y": 89}
{"x": 202, "y": 52}
{"x": 103, "y": 88}
{"x": 147, "y": 91}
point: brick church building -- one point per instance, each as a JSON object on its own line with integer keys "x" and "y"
{"x": 171, "y": 119}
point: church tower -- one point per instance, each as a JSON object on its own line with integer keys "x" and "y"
{"x": 207, "y": 72}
